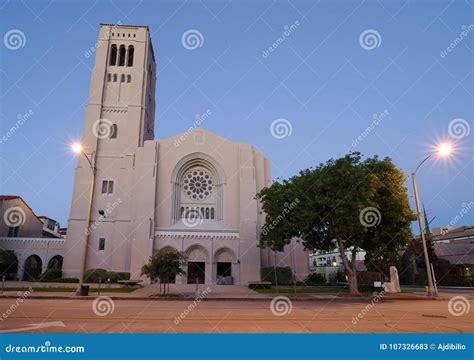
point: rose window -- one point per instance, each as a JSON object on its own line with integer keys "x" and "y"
{"x": 197, "y": 184}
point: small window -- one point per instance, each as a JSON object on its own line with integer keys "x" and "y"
{"x": 207, "y": 213}
{"x": 121, "y": 56}
{"x": 13, "y": 231}
{"x": 130, "y": 56}
{"x": 113, "y": 55}
{"x": 122, "y": 78}
{"x": 115, "y": 77}
{"x": 134, "y": 35}
{"x": 113, "y": 131}
{"x": 109, "y": 77}
{"x": 129, "y": 78}
{"x": 212, "y": 213}
{"x": 107, "y": 186}
{"x": 101, "y": 243}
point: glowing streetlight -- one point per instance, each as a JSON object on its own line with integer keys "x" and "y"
{"x": 442, "y": 150}
{"x": 78, "y": 149}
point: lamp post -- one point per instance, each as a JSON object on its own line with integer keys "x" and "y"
{"x": 77, "y": 148}
{"x": 442, "y": 150}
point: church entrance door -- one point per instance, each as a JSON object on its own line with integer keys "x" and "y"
{"x": 196, "y": 272}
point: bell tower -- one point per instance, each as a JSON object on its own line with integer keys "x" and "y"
{"x": 118, "y": 119}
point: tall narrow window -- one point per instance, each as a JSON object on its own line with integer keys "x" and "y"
{"x": 113, "y": 55}
{"x": 130, "y": 56}
{"x": 107, "y": 186}
{"x": 122, "y": 78}
{"x": 212, "y": 213}
{"x": 113, "y": 131}
{"x": 109, "y": 77}
{"x": 115, "y": 77}
{"x": 101, "y": 243}
{"x": 121, "y": 56}
{"x": 129, "y": 78}
{"x": 13, "y": 231}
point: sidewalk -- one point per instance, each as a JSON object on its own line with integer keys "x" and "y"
{"x": 222, "y": 292}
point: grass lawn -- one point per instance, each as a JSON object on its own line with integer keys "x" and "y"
{"x": 92, "y": 290}
{"x": 305, "y": 290}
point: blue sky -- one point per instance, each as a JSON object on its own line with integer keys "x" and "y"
{"x": 324, "y": 79}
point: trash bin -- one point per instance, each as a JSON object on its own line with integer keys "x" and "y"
{"x": 85, "y": 290}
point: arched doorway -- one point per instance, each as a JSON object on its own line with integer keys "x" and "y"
{"x": 197, "y": 259}
{"x": 224, "y": 258}
{"x": 32, "y": 268}
{"x": 56, "y": 262}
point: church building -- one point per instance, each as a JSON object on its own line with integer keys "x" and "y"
{"x": 194, "y": 192}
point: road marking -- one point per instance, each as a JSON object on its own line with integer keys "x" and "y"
{"x": 35, "y": 326}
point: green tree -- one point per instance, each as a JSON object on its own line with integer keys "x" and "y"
{"x": 164, "y": 264}
{"x": 348, "y": 203}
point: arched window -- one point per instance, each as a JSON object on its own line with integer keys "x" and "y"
{"x": 115, "y": 77}
{"x": 207, "y": 213}
{"x": 129, "y": 78}
{"x": 212, "y": 213}
{"x": 113, "y": 131}
{"x": 109, "y": 77}
{"x": 130, "y": 55}
{"x": 122, "y": 78}
{"x": 113, "y": 55}
{"x": 121, "y": 56}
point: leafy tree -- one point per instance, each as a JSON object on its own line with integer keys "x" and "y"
{"x": 165, "y": 264}
{"x": 8, "y": 264}
{"x": 348, "y": 203}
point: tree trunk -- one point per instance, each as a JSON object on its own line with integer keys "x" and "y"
{"x": 350, "y": 268}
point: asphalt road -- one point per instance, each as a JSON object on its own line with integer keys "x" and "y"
{"x": 143, "y": 316}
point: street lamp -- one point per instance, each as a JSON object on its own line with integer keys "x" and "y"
{"x": 77, "y": 148}
{"x": 442, "y": 150}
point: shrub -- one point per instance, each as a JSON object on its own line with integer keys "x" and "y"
{"x": 315, "y": 279}
{"x": 65, "y": 280}
{"x": 369, "y": 277}
{"x": 284, "y": 275}
{"x": 94, "y": 275}
{"x": 50, "y": 274}
{"x": 102, "y": 275}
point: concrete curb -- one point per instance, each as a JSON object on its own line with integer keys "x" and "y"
{"x": 299, "y": 298}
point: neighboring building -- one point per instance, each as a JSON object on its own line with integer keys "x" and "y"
{"x": 329, "y": 263}
{"x": 454, "y": 262}
{"x": 34, "y": 241}
{"x": 194, "y": 192}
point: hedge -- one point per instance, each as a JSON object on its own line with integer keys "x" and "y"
{"x": 284, "y": 275}
{"x": 102, "y": 275}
